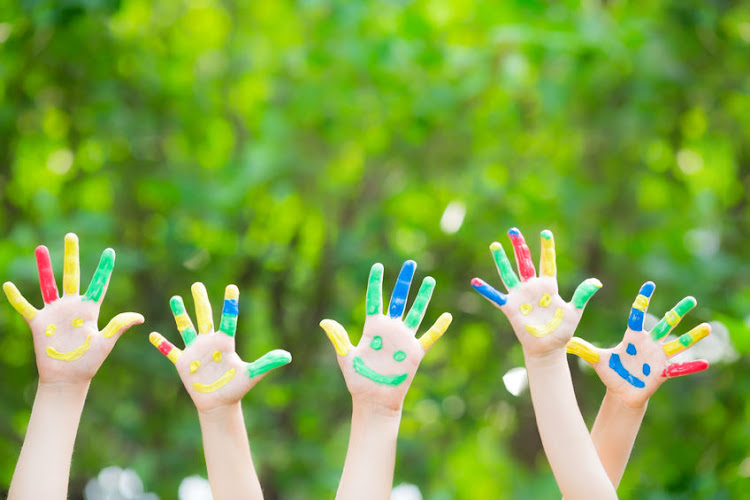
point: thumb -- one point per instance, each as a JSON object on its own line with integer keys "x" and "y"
{"x": 583, "y": 350}
{"x": 338, "y": 336}
{"x": 267, "y": 362}
{"x": 585, "y": 291}
{"x": 120, "y": 323}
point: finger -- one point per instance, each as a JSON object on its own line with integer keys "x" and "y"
{"x": 374, "y": 300}
{"x": 165, "y": 347}
{"x": 523, "y": 254}
{"x": 203, "y": 312}
{"x": 680, "y": 369}
{"x": 686, "y": 339}
{"x": 489, "y": 293}
{"x": 184, "y": 325}
{"x": 71, "y": 266}
{"x": 585, "y": 291}
{"x": 640, "y": 306}
{"x": 46, "y": 276}
{"x": 436, "y": 331}
{"x": 19, "y": 303}
{"x": 416, "y": 313}
{"x": 120, "y": 323}
{"x": 504, "y": 267}
{"x": 230, "y": 311}
{"x": 99, "y": 282}
{"x": 268, "y": 362}
{"x": 338, "y": 336}
{"x": 401, "y": 290}
{"x": 548, "y": 265}
{"x": 673, "y": 318}
{"x": 583, "y": 350}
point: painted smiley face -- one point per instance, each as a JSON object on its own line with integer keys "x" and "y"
{"x": 73, "y": 354}
{"x": 548, "y": 327}
{"x": 219, "y": 382}
{"x": 360, "y": 367}
{"x": 616, "y": 364}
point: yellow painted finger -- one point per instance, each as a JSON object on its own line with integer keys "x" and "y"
{"x": 202, "y": 308}
{"x": 436, "y": 331}
{"x": 583, "y": 350}
{"x": 120, "y": 323}
{"x": 548, "y": 265}
{"x": 338, "y": 336}
{"x": 687, "y": 339}
{"x": 71, "y": 266}
{"x": 165, "y": 347}
{"x": 20, "y": 304}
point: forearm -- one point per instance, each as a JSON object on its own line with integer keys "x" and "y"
{"x": 230, "y": 466}
{"x": 614, "y": 433}
{"x": 43, "y": 467}
{"x": 371, "y": 456}
{"x": 569, "y": 448}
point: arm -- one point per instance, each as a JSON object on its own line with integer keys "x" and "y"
{"x": 69, "y": 351}
{"x": 217, "y": 379}
{"x": 632, "y": 371}
{"x": 544, "y": 323}
{"x": 378, "y": 373}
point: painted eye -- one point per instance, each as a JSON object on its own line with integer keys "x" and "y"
{"x": 646, "y": 369}
{"x": 399, "y": 355}
{"x": 631, "y": 350}
{"x": 217, "y": 356}
{"x": 526, "y": 308}
{"x": 50, "y": 330}
{"x": 194, "y": 365}
{"x": 546, "y": 300}
{"x": 376, "y": 342}
{"x": 78, "y": 322}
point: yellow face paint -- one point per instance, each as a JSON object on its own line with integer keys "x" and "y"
{"x": 217, "y": 356}
{"x": 50, "y": 330}
{"x": 220, "y": 382}
{"x": 194, "y": 365}
{"x": 525, "y": 308}
{"x": 546, "y": 300}
{"x": 549, "y": 327}
{"x": 78, "y": 322}
{"x": 70, "y": 355}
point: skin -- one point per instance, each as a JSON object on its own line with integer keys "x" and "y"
{"x": 62, "y": 389}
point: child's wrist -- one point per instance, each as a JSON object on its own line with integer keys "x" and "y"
{"x": 549, "y": 357}
{"x": 220, "y": 413}
{"x": 623, "y": 405}
{"x": 376, "y": 410}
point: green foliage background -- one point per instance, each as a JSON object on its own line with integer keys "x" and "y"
{"x": 286, "y": 146}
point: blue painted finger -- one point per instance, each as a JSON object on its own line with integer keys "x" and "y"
{"x": 489, "y": 293}
{"x": 401, "y": 290}
{"x": 640, "y": 306}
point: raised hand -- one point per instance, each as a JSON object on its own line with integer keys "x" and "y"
{"x": 68, "y": 343}
{"x": 379, "y": 370}
{"x": 212, "y": 372}
{"x": 541, "y": 319}
{"x": 636, "y": 367}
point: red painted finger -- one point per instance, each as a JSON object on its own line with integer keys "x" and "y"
{"x": 680, "y": 369}
{"x": 523, "y": 254}
{"x": 46, "y": 276}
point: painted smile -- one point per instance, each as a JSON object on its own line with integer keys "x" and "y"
{"x": 364, "y": 370}
{"x": 220, "y": 382}
{"x": 70, "y": 355}
{"x": 549, "y": 327}
{"x": 616, "y": 364}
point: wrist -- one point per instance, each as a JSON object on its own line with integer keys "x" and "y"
{"x": 547, "y": 358}
{"x": 69, "y": 391}
{"x": 220, "y": 413}
{"x": 376, "y": 411}
{"x": 635, "y": 407}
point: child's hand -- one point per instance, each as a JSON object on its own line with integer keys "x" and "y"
{"x": 541, "y": 319}
{"x": 68, "y": 344}
{"x": 638, "y": 365}
{"x": 379, "y": 370}
{"x": 212, "y": 372}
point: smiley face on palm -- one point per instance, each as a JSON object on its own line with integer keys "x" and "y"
{"x": 379, "y": 370}
{"x": 637, "y": 366}
{"x": 541, "y": 319}
{"x": 212, "y": 372}
{"x": 68, "y": 343}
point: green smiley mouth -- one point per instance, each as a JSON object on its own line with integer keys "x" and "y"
{"x": 364, "y": 370}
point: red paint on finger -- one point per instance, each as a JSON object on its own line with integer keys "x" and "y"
{"x": 46, "y": 276}
{"x": 523, "y": 254}
{"x": 679, "y": 369}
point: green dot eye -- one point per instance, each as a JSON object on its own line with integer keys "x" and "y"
{"x": 376, "y": 342}
{"x": 399, "y": 355}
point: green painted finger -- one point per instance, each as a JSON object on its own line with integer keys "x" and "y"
{"x": 585, "y": 291}
{"x": 374, "y": 300}
{"x": 416, "y": 313}
{"x": 673, "y": 317}
{"x": 101, "y": 276}
{"x": 503, "y": 265}
{"x": 267, "y": 362}
{"x": 184, "y": 324}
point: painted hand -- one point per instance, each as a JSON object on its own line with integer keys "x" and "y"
{"x": 68, "y": 343}
{"x": 212, "y": 372}
{"x": 379, "y": 370}
{"x": 638, "y": 365}
{"x": 541, "y": 319}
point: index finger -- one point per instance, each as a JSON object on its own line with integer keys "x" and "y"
{"x": 374, "y": 300}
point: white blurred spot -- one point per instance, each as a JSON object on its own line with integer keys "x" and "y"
{"x": 129, "y": 484}
{"x": 5, "y": 29}
{"x": 689, "y": 161}
{"x": 516, "y": 381}
{"x": 114, "y": 483}
{"x": 194, "y": 488}
{"x": 454, "y": 407}
{"x": 453, "y": 217}
{"x": 702, "y": 242}
{"x": 60, "y": 161}
{"x": 405, "y": 491}
{"x": 716, "y": 348}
